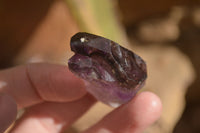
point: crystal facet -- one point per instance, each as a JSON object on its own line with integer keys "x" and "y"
{"x": 112, "y": 74}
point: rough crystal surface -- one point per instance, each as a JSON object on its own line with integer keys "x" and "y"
{"x": 112, "y": 74}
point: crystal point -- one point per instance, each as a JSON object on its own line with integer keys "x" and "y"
{"x": 112, "y": 74}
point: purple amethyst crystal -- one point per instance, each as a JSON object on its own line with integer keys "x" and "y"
{"x": 112, "y": 74}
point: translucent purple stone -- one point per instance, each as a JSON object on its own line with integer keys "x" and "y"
{"x": 112, "y": 74}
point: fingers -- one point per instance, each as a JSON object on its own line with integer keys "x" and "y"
{"x": 53, "y": 117}
{"x": 55, "y": 83}
{"x": 36, "y": 83}
{"x": 8, "y": 112}
{"x": 133, "y": 117}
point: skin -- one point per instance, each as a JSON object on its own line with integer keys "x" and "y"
{"x": 54, "y": 98}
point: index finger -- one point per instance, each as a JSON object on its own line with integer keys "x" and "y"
{"x": 34, "y": 83}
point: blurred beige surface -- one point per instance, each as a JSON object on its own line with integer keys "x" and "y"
{"x": 170, "y": 71}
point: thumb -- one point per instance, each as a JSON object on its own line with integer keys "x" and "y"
{"x": 8, "y": 111}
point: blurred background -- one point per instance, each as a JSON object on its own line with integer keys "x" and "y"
{"x": 165, "y": 33}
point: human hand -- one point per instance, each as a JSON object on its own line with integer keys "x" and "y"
{"x": 54, "y": 98}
